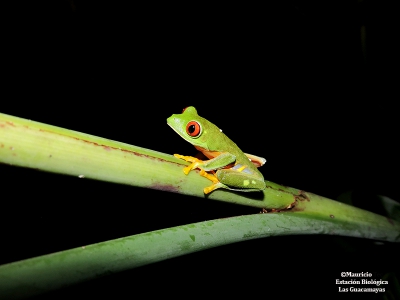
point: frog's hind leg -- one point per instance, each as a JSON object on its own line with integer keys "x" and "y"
{"x": 211, "y": 177}
{"x": 235, "y": 181}
{"x": 240, "y": 180}
{"x": 215, "y": 186}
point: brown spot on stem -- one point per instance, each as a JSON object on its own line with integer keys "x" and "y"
{"x": 164, "y": 187}
{"x": 302, "y": 197}
{"x": 296, "y": 208}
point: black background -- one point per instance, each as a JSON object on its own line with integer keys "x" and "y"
{"x": 288, "y": 81}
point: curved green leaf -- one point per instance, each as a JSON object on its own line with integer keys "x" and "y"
{"x": 49, "y": 272}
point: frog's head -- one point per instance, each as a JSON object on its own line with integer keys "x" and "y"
{"x": 190, "y": 126}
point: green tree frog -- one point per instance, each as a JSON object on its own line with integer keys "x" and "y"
{"x": 228, "y": 167}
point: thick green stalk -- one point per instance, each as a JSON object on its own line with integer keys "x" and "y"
{"x": 49, "y": 148}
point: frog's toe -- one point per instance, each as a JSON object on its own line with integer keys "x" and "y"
{"x": 213, "y": 187}
{"x": 186, "y": 170}
{"x": 211, "y": 177}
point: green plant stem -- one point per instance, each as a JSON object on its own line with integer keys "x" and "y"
{"x": 49, "y": 148}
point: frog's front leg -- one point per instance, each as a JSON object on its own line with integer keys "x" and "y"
{"x": 194, "y": 162}
{"x": 220, "y": 161}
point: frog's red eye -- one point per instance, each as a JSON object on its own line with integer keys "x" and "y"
{"x": 193, "y": 128}
{"x": 183, "y": 110}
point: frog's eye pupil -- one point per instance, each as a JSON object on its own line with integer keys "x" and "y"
{"x": 193, "y": 129}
